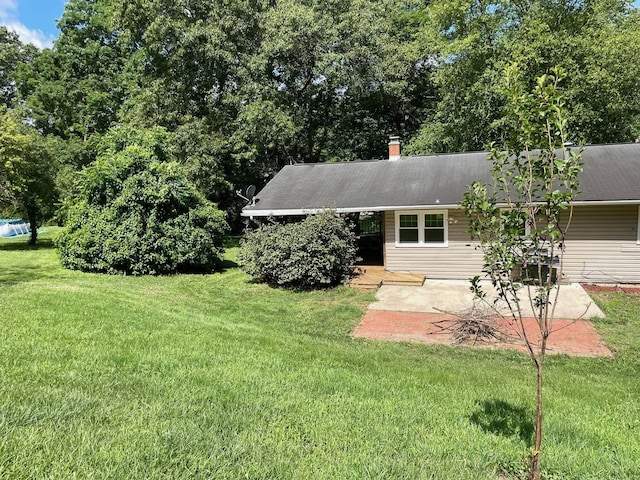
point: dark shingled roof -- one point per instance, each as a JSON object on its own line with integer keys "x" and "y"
{"x": 611, "y": 174}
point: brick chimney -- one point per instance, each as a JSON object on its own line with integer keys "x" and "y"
{"x": 394, "y": 148}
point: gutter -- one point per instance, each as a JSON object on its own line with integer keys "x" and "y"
{"x": 385, "y": 208}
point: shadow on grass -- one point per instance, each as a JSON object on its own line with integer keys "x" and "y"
{"x": 227, "y": 264}
{"x": 23, "y": 245}
{"x": 503, "y": 418}
{"x": 232, "y": 241}
{"x": 13, "y": 276}
{"x": 15, "y": 272}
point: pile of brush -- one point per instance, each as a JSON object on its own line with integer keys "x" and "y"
{"x": 473, "y": 325}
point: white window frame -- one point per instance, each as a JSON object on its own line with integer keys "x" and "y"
{"x": 421, "y": 228}
{"x": 638, "y": 228}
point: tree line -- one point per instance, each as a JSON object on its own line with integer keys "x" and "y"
{"x": 244, "y": 87}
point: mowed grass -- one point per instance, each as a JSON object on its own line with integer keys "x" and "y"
{"x": 216, "y": 377}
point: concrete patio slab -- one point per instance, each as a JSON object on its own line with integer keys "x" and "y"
{"x": 436, "y": 296}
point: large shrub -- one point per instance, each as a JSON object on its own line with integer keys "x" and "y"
{"x": 134, "y": 212}
{"x": 316, "y": 252}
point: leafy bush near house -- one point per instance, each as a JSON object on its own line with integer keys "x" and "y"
{"x": 134, "y": 212}
{"x": 314, "y": 253}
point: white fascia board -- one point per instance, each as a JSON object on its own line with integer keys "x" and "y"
{"x": 385, "y": 208}
{"x": 312, "y": 211}
{"x": 584, "y": 203}
{"x": 607, "y": 202}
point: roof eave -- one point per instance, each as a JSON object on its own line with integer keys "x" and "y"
{"x": 385, "y": 208}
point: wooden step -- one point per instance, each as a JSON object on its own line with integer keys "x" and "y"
{"x": 372, "y": 277}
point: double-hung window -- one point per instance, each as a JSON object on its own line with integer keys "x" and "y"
{"x": 408, "y": 229}
{"x": 421, "y": 228}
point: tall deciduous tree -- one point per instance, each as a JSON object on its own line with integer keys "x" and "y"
{"x": 338, "y": 78}
{"x": 248, "y": 86}
{"x": 27, "y": 172}
{"x": 186, "y": 76}
{"x": 75, "y": 89}
{"x": 13, "y": 53}
{"x": 268, "y": 83}
{"x": 473, "y": 40}
{"x": 73, "y": 92}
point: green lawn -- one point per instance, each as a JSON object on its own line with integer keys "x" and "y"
{"x": 215, "y": 377}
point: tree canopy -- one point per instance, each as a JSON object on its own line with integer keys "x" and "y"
{"x": 473, "y": 41}
{"x": 27, "y": 171}
{"x": 13, "y": 54}
{"x": 248, "y": 86}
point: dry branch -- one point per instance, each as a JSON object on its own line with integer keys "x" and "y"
{"x": 473, "y": 325}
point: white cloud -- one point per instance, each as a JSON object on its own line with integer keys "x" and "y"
{"x": 7, "y": 6}
{"x": 35, "y": 37}
{"x": 9, "y": 19}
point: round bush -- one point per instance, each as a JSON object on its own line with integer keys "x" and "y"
{"x": 135, "y": 214}
{"x": 317, "y": 252}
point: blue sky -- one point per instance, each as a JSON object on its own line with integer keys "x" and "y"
{"x": 33, "y": 20}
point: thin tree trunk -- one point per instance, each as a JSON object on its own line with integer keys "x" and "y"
{"x": 534, "y": 472}
{"x": 33, "y": 224}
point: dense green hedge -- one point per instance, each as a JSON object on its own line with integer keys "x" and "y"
{"x": 134, "y": 212}
{"x": 314, "y": 253}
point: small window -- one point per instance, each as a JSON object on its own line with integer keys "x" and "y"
{"x": 434, "y": 228}
{"x": 421, "y": 228}
{"x": 408, "y": 229}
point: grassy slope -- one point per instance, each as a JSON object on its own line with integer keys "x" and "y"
{"x": 215, "y": 377}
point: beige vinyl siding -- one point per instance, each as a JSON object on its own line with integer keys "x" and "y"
{"x": 602, "y": 245}
{"x": 458, "y": 260}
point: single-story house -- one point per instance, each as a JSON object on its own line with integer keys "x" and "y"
{"x": 424, "y": 230}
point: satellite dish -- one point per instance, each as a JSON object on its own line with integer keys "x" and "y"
{"x": 251, "y": 191}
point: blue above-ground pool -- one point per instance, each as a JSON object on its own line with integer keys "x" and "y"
{"x": 13, "y": 227}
